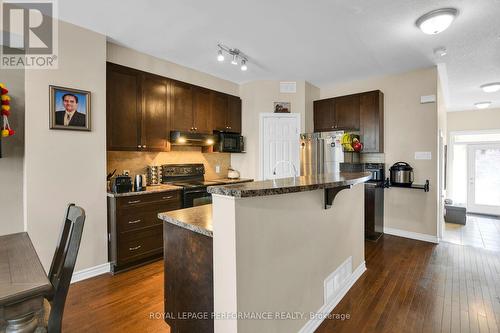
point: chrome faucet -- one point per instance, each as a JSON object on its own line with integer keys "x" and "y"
{"x": 284, "y": 161}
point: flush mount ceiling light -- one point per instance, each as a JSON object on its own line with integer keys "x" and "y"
{"x": 436, "y": 21}
{"x": 235, "y": 56}
{"x": 491, "y": 87}
{"x": 482, "y": 105}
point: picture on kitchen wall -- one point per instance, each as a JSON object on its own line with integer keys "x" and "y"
{"x": 282, "y": 107}
{"x": 69, "y": 109}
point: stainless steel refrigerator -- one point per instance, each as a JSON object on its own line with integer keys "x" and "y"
{"x": 320, "y": 152}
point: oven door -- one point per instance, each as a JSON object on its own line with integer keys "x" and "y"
{"x": 196, "y": 198}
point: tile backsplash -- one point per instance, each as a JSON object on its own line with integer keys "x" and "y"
{"x": 137, "y": 162}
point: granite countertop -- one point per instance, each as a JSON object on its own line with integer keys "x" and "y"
{"x": 149, "y": 190}
{"x": 291, "y": 185}
{"x": 197, "y": 219}
{"x": 231, "y": 181}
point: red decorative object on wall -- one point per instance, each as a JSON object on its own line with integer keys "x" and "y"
{"x": 5, "y": 111}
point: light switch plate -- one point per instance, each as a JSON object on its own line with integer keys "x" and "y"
{"x": 423, "y": 155}
{"x": 217, "y": 169}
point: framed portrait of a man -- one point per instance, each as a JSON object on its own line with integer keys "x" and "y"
{"x": 69, "y": 109}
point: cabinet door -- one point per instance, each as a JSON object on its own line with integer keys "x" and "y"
{"x": 219, "y": 111}
{"x": 182, "y": 106}
{"x": 371, "y": 105}
{"x": 201, "y": 110}
{"x": 347, "y": 112}
{"x": 324, "y": 115}
{"x": 123, "y": 108}
{"x": 233, "y": 117}
{"x": 155, "y": 129}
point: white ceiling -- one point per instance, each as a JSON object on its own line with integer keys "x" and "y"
{"x": 321, "y": 41}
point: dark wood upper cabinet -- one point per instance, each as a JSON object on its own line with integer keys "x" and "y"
{"x": 324, "y": 115}
{"x": 155, "y": 125}
{"x": 226, "y": 112}
{"x": 123, "y": 116}
{"x": 233, "y": 118}
{"x": 371, "y": 106}
{"x": 347, "y": 112}
{"x": 219, "y": 111}
{"x": 142, "y": 108}
{"x": 363, "y": 112}
{"x": 201, "y": 110}
{"x": 182, "y": 106}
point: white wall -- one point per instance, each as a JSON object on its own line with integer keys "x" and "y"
{"x": 258, "y": 97}
{"x": 408, "y": 127}
{"x": 473, "y": 120}
{"x": 11, "y": 164}
{"x": 67, "y": 166}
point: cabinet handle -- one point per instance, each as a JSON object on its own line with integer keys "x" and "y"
{"x": 134, "y": 222}
{"x": 144, "y": 146}
{"x": 134, "y": 248}
{"x": 139, "y": 146}
{"x": 134, "y": 201}
{"x": 196, "y": 128}
{"x": 169, "y": 197}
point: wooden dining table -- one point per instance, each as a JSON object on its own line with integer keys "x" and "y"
{"x": 23, "y": 284}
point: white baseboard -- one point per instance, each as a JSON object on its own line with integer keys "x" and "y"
{"x": 411, "y": 235}
{"x": 90, "y": 272}
{"x": 326, "y": 309}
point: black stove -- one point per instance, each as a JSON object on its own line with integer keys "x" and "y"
{"x": 191, "y": 177}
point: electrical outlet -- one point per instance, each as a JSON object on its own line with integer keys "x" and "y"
{"x": 217, "y": 169}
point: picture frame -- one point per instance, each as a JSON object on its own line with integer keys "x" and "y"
{"x": 69, "y": 109}
{"x": 282, "y": 107}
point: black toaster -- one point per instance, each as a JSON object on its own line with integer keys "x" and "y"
{"x": 121, "y": 184}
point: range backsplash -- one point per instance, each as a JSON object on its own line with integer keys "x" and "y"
{"x": 136, "y": 162}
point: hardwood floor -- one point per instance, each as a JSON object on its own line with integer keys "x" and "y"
{"x": 409, "y": 286}
{"x": 120, "y": 303}
{"x": 413, "y": 286}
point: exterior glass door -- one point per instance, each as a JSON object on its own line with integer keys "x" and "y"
{"x": 484, "y": 179}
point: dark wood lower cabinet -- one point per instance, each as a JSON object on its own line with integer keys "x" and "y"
{"x": 189, "y": 288}
{"x": 135, "y": 232}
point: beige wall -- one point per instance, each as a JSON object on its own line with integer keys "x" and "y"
{"x": 11, "y": 163}
{"x": 67, "y": 166}
{"x": 474, "y": 120}
{"x": 408, "y": 127}
{"x": 273, "y": 253}
{"x": 258, "y": 97}
{"x": 131, "y": 58}
{"x": 136, "y": 162}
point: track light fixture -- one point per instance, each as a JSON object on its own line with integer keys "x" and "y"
{"x": 235, "y": 56}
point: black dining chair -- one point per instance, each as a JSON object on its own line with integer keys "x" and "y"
{"x": 61, "y": 269}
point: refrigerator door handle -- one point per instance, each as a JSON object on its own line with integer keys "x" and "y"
{"x": 320, "y": 148}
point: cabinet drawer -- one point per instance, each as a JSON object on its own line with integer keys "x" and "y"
{"x": 144, "y": 199}
{"x": 139, "y": 244}
{"x": 137, "y": 220}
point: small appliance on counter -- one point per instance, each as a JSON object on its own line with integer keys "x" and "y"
{"x": 401, "y": 174}
{"x": 227, "y": 142}
{"x": 154, "y": 175}
{"x": 139, "y": 183}
{"x": 232, "y": 173}
{"x": 121, "y": 184}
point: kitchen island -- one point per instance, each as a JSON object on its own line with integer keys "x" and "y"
{"x": 277, "y": 252}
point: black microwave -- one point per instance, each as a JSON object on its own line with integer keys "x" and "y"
{"x": 229, "y": 142}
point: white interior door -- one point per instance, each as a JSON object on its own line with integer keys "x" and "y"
{"x": 484, "y": 179}
{"x": 280, "y": 145}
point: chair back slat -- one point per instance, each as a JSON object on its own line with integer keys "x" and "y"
{"x": 63, "y": 263}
